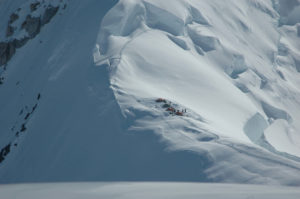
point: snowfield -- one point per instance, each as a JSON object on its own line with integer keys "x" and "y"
{"x": 129, "y": 190}
{"x": 78, "y": 101}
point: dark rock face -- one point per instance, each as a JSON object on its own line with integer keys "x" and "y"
{"x": 4, "y": 151}
{"x": 34, "y": 6}
{"x": 23, "y": 128}
{"x": 1, "y": 80}
{"x": 9, "y": 31}
{"x": 8, "y": 49}
{"x": 32, "y": 25}
{"x": 49, "y": 13}
{"x": 3, "y": 47}
{"x": 6, "y": 52}
{"x": 13, "y": 18}
{"x": 11, "y": 50}
{"x": 19, "y": 43}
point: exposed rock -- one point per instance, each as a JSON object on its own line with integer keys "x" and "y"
{"x": 9, "y": 31}
{"x": 11, "y": 50}
{"x": 3, "y": 47}
{"x": 23, "y": 128}
{"x": 49, "y": 13}
{"x": 13, "y": 17}
{"x": 27, "y": 116}
{"x": 3, "y": 58}
{"x": 34, "y": 6}
{"x": 4, "y": 151}
{"x": 1, "y": 80}
{"x": 33, "y": 108}
{"x": 18, "y": 43}
{"x": 7, "y": 50}
{"x": 32, "y": 25}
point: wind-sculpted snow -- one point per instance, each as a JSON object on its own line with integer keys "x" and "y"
{"x": 226, "y": 70}
{"x": 178, "y": 41}
{"x": 223, "y": 68}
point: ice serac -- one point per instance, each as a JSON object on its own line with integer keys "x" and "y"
{"x": 222, "y": 61}
{"x": 83, "y": 107}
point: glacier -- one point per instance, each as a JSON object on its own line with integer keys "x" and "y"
{"x": 90, "y": 78}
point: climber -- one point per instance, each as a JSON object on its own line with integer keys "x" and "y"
{"x": 171, "y": 109}
{"x": 179, "y": 113}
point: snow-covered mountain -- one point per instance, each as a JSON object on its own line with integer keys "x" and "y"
{"x": 80, "y": 82}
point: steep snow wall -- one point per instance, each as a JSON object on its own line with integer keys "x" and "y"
{"x": 220, "y": 61}
{"x": 78, "y": 103}
{"x": 227, "y": 62}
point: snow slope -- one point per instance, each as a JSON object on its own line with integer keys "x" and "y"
{"x": 224, "y": 66}
{"x": 90, "y": 94}
{"x": 237, "y": 73}
{"x": 129, "y": 190}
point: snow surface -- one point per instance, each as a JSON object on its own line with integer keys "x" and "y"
{"x": 237, "y": 43}
{"x": 233, "y": 65}
{"x": 127, "y": 190}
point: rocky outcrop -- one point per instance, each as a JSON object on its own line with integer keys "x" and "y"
{"x": 4, "y": 151}
{"x": 9, "y": 31}
{"x": 7, "y": 50}
{"x": 32, "y": 25}
{"x": 13, "y": 18}
{"x": 34, "y": 6}
{"x": 49, "y": 14}
{"x": 22, "y": 128}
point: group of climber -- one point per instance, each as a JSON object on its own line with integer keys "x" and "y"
{"x": 169, "y": 108}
